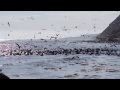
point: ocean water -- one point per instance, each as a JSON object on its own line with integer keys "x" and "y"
{"x": 69, "y": 29}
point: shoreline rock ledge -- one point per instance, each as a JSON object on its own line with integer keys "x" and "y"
{"x": 3, "y": 76}
{"x": 111, "y": 33}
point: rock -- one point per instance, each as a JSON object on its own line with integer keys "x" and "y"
{"x": 112, "y": 32}
{"x": 3, "y": 76}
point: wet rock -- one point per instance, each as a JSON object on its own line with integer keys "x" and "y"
{"x": 71, "y": 76}
{"x": 50, "y": 68}
{"x": 3, "y": 76}
{"x": 16, "y": 75}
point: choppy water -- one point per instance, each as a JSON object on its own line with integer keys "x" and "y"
{"x": 61, "y": 67}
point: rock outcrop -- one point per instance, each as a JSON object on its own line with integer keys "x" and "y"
{"x": 111, "y": 33}
{"x": 3, "y": 76}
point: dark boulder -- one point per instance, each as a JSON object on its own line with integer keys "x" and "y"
{"x": 3, "y": 76}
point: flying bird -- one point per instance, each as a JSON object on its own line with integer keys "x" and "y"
{"x": 8, "y": 23}
{"x": 18, "y": 45}
{"x": 57, "y": 34}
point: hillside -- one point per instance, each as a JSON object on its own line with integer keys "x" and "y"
{"x": 112, "y": 32}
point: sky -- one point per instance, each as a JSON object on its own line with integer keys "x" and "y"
{"x": 23, "y": 13}
{"x": 53, "y": 22}
{"x": 27, "y": 13}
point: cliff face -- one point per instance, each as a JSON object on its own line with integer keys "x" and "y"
{"x": 112, "y": 32}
